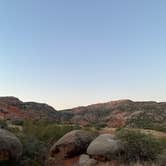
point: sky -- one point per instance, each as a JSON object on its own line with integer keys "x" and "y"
{"x": 78, "y": 52}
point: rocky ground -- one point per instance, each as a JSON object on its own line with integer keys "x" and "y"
{"x": 83, "y": 148}
{"x": 99, "y": 152}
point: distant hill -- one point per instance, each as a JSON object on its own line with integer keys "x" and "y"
{"x": 151, "y": 115}
{"x": 12, "y": 108}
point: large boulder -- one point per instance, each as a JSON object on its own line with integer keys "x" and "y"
{"x": 10, "y": 146}
{"x": 73, "y": 143}
{"x": 70, "y": 146}
{"x": 104, "y": 146}
{"x": 85, "y": 160}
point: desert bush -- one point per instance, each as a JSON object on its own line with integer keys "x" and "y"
{"x": 137, "y": 163}
{"x": 10, "y": 163}
{"x": 96, "y": 125}
{"x": 36, "y": 137}
{"x": 46, "y": 131}
{"x": 33, "y": 150}
{"x": 147, "y": 121}
{"x": 3, "y": 124}
{"x": 162, "y": 158}
{"x": 139, "y": 146}
{"x": 17, "y": 122}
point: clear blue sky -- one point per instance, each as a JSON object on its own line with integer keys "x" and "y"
{"x": 76, "y": 52}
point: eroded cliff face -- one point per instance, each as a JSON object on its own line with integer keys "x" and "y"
{"x": 12, "y": 108}
{"x": 120, "y": 113}
{"x": 112, "y": 114}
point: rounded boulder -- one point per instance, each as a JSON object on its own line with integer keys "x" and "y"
{"x": 10, "y": 146}
{"x": 85, "y": 160}
{"x": 72, "y": 144}
{"x": 104, "y": 146}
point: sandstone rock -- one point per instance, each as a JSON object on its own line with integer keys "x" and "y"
{"x": 104, "y": 146}
{"x": 10, "y": 146}
{"x": 12, "y": 108}
{"x": 85, "y": 160}
{"x": 72, "y": 144}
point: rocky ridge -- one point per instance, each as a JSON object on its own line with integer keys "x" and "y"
{"x": 115, "y": 114}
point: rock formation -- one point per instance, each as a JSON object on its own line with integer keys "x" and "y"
{"x": 10, "y": 146}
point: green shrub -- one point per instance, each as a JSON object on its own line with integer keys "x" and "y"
{"x": 147, "y": 121}
{"x": 46, "y": 131}
{"x": 139, "y": 146}
{"x": 3, "y": 124}
{"x": 17, "y": 122}
{"x": 10, "y": 163}
{"x": 162, "y": 158}
{"x": 36, "y": 137}
{"x": 34, "y": 151}
{"x": 97, "y": 125}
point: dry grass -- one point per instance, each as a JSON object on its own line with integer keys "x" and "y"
{"x": 131, "y": 164}
{"x": 156, "y": 134}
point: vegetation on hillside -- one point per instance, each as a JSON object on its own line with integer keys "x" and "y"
{"x": 155, "y": 120}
